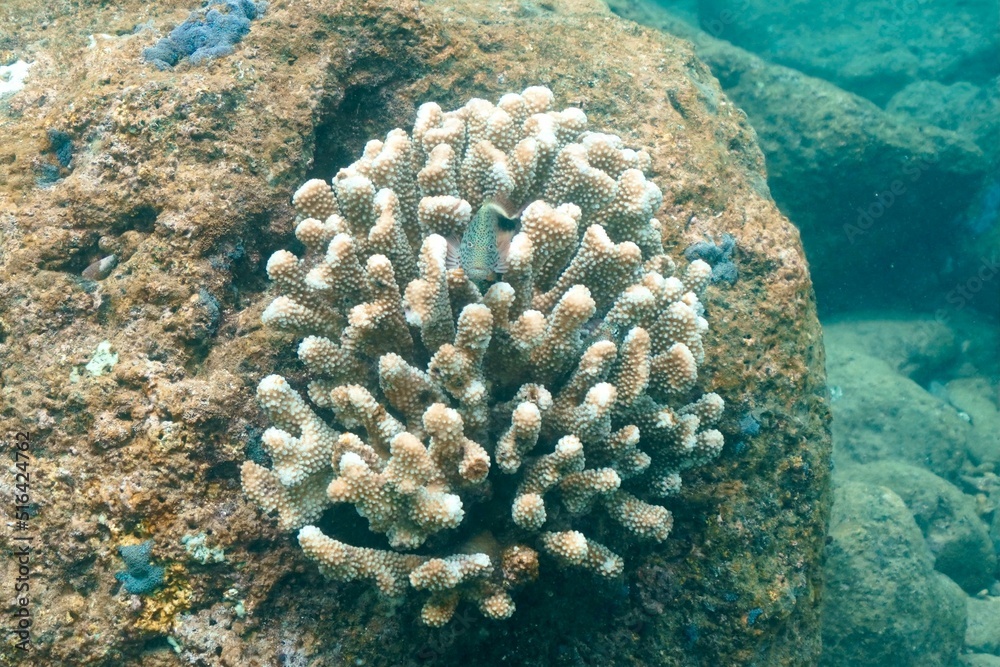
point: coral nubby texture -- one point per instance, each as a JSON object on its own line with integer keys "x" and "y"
{"x": 488, "y": 430}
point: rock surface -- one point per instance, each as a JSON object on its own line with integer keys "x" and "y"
{"x": 860, "y": 182}
{"x": 917, "y": 389}
{"x": 995, "y": 532}
{"x": 880, "y": 414}
{"x": 983, "y": 632}
{"x": 979, "y": 398}
{"x": 980, "y": 660}
{"x": 869, "y": 47}
{"x": 962, "y": 106}
{"x": 920, "y": 348}
{"x": 884, "y": 604}
{"x": 185, "y": 177}
{"x": 956, "y": 537}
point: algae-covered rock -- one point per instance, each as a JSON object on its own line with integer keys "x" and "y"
{"x": 884, "y": 604}
{"x": 921, "y": 348}
{"x": 889, "y": 375}
{"x": 880, "y": 414}
{"x": 870, "y": 47}
{"x": 979, "y": 398}
{"x": 861, "y": 183}
{"x": 995, "y": 532}
{"x": 980, "y": 660}
{"x": 963, "y": 106}
{"x": 955, "y": 535}
{"x": 982, "y": 635}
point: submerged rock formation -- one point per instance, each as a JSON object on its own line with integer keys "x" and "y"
{"x": 186, "y": 177}
{"x": 860, "y": 181}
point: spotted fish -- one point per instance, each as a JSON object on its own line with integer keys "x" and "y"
{"x": 482, "y": 250}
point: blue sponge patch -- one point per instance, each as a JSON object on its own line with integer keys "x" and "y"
{"x": 719, "y": 255}
{"x": 139, "y": 576}
{"x": 209, "y": 32}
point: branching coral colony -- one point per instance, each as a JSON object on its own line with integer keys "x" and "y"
{"x": 490, "y": 317}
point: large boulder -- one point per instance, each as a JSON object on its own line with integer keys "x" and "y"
{"x": 983, "y": 632}
{"x": 956, "y": 536}
{"x": 938, "y": 366}
{"x": 880, "y": 414}
{"x": 135, "y": 375}
{"x": 869, "y": 47}
{"x": 978, "y": 398}
{"x": 923, "y": 349}
{"x": 861, "y": 183}
{"x": 884, "y": 604}
{"x": 961, "y": 106}
{"x": 980, "y": 660}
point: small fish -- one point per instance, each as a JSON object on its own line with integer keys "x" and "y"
{"x": 482, "y": 250}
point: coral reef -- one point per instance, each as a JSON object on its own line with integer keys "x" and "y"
{"x": 559, "y": 392}
{"x": 185, "y": 176}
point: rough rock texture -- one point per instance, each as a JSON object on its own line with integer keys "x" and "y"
{"x": 861, "y": 183}
{"x": 914, "y": 394}
{"x": 921, "y": 348}
{"x": 983, "y": 632}
{"x": 980, "y": 660}
{"x": 186, "y": 178}
{"x": 870, "y": 47}
{"x": 956, "y": 537}
{"x": 979, "y": 398}
{"x": 962, "y": 106}
{"x": 995, "y": 532}
{"x": 921, "y": 390}
{"x": 884, "y": 604}
{"x": 881, "y": 414}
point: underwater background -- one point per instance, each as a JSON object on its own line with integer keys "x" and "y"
{"x": 879, "y": 122}
{"x": 741, "y": 405}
